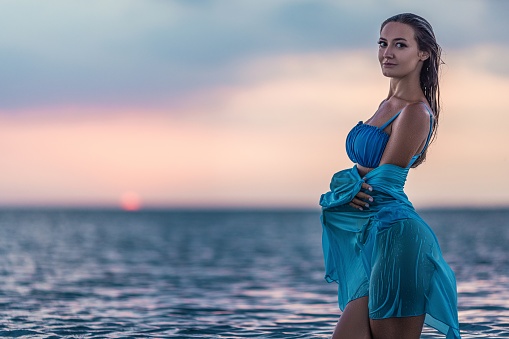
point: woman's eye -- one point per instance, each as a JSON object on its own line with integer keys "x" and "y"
{"x": 400, "y": 45}
{"x": 382, "y": 43}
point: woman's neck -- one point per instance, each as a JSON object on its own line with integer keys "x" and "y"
{"x": 407, "y": 89}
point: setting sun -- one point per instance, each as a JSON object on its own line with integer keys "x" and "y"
{"x": 130, "y": 201}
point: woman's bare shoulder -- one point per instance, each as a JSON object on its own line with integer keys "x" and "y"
{"x": 408, "y": 135}
{"x": 415, "y": 115}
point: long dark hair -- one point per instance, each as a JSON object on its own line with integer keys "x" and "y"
{"x": 427, "y": 42}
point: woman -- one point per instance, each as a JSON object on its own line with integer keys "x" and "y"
{"x": 387, "y": 261}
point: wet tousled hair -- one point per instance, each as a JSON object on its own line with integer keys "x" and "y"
{"x": 427, "y": 42}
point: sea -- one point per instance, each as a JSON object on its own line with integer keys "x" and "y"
{"x": 214, "y": 273}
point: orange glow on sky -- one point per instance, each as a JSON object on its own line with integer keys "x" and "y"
{"x": 273, "y": 142}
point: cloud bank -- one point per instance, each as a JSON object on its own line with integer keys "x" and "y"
{"x": 151, "y": 53}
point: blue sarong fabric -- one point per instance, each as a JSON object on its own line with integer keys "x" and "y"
{"x": 386, "y": 252}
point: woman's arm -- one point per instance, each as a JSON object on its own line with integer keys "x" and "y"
{"x": 409, "y": 133}
{"x": 408, "y": 136}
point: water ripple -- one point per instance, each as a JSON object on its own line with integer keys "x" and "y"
{"x": 71, "y": 274}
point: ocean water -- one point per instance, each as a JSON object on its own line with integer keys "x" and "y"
{"x": 213, "y": 274}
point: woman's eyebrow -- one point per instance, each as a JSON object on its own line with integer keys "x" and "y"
{"x": 396, "y": 39}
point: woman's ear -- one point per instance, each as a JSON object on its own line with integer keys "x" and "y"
{"x": 423, "y": 55}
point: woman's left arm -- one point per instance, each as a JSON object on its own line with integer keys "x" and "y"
{"x": 408, "y": 135}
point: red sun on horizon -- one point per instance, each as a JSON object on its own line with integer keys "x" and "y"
{"x": 130, "y": 201}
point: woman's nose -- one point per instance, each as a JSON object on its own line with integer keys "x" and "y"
{"x": 388, "y": 53}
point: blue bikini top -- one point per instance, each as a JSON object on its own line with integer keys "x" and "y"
{"x": 365, "y": 144}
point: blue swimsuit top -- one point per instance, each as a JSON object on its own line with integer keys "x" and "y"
{"x": 365, "y": 144}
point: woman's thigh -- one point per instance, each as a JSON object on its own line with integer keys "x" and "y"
{"x": 401, "y": 271}
{"x": 354, "y": 321}
{"x": 401, "y": 328}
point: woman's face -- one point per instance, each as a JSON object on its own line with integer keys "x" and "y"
{"x": 398, "y": 52}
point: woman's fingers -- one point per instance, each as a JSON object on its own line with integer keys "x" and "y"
{"x": 359, "y": 204}
{"x": 364, "y": 196}
{"x": 367, "y": 187}
{"x": 361, "y": 200}
{"x": 355, "y": 206}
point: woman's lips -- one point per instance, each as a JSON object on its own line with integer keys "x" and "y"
{"x": 388, "y": 64}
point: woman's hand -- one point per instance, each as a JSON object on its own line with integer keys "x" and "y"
{"x": 361, "y": 200}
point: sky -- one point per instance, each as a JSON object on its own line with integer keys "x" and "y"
{"x": 212, "y": 103}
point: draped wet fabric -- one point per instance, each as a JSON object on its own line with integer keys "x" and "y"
{"x": 386, "y": 252}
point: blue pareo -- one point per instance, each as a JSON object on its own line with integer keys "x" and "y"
{"x": 386, "y": 252}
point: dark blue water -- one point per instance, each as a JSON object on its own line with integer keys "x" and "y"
{"x": 100, "y": 274}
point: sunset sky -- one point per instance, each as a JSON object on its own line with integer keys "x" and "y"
{"x": 212, "y": 103}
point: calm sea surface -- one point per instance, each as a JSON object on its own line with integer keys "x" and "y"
{"x": 215, "y": 274}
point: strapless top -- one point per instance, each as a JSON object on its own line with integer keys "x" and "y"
{"x": 365, "y": 144}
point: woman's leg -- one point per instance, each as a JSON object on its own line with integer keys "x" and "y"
{"x": 354, "y": 322}
{"x": 400, "y": 279}
{"x": 401, "y": 328}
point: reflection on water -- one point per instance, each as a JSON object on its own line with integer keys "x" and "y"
{"x": 213, "y": 274}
